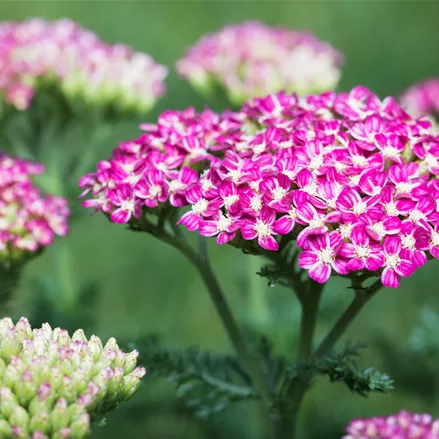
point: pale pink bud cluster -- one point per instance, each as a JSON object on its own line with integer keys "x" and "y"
{"x": 252, "y": 59}
{"x": 28, "y": 220}
{"x": 422, "y": 98}
{"x": 351, "y": 178}
{"x": 52, "y": 385}
{"x": 35, "y": 52}
{"x": 404, "y": 425}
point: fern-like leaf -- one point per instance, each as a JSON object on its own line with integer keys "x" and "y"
{"x": 207, "y": 383}
{"x": 343, "y": 367}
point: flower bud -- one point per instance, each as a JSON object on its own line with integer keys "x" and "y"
{"x": 132, "y": 382}
{"x": 19, "y": 417}
{"x": 40, "y": 423}
{"x": 130, "y": 361}
{"x": 5, "y": 429}
{"x": 80, "y": 426}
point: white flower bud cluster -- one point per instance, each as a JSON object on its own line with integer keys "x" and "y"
{"x": 53, "y": 385}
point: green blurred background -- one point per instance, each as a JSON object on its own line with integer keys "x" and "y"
{"x": 147, "y": 288}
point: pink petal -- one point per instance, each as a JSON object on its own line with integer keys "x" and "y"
{"x": 283, "y": 225}
{"x": 347, "y": 250}
{"x": 389, "y": 278}
{"x": 392, "y": 245}
{"x": 227, "y": 189}
{"x": 340, "y": 265}
{"x": 193, "y": 194}
{"x": 359, "y": 236}
{"x": 268, "y": 243}
{"x": 188, "y": 176}
{"x": 307, "y": 259}
{"x": 224, "y": 238}
{"x": 374, "y": 262}
{"x": 356, "y": 264}
{"x": 120, "y": 216}
{"x": 248, "y": 231}
{"x": 177, "y": 200}
{"x": 320, "y": 272}
{"x": 190, "y": 220}
{"x": 405, "y": 268}
{"x": 208, "y": 228}
{"x": 268, "y": 215}
{"x": 434, "y": 251}
{"x": 306, "y": 212}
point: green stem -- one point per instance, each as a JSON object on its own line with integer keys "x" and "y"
{"x": 200, "y": 261}
{"x": 64, "y": 268}
{"x": 9, "y": 278}
{"x": 337, "y": 331}
{"x": 258, "y": 307}
{"x": 310, "y": 308}
{"x": 295, "y": 390}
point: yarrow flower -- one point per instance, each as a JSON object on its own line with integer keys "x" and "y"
{"x": 403, "y": 425}
{"x": 53, "y": 385}
{"x": 422, "y": 98}
{"x": 252, "y": 59}
{"x": 29, "y": 221}
{"x": 35, "y": 53}
{"x": 349, "y": 177}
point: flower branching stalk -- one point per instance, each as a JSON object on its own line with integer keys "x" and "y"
{"x": 200, "y": 260}
{"x": 284, "y": 414}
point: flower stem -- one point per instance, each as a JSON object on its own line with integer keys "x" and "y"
{"x": 201, "y": 262}
{"x": 308, "y": 321}
{"x": 259, "y": 311}
{"x": 298, "y": 387}
{"x": 65, "y": 268}
{"x": 294, "y": 391}
{"x": 9, "y": 279}
{"x": 337, "y": 331}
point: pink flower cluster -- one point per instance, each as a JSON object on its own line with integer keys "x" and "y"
{"x": 28, "y": 220}
{"x": 157, "y": 167}
{"x": 351, "y": 178}
{"x": 423, "y": 98}
{"x": 252, "y": 59}
{"x": 36, "y": 52}
{"x": 404, "y": 425}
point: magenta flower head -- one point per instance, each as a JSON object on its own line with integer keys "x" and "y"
{"x": 35, "y": 54}
{"x": 251, "y": 59}
{"x": 404, "y": 425}
{"x": 29, "y": 221}
{"x": 350, "y": 178}
{"x": 422, "y": 98}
